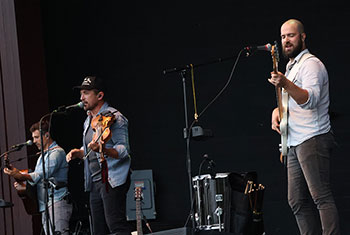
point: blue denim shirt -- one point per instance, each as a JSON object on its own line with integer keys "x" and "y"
{"x": 55, "y": 166}
{"x": 118, "y": 169}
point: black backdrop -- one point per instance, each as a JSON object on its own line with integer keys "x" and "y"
{"x": 129, "y": 43}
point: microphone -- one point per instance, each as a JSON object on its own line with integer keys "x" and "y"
{"x": 66, "y": 108}
{"x": 250, "y": 49}
{"x": 266, "y": 47}
{"x": 19, "y": 146}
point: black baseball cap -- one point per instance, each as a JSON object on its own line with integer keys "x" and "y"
{"x": 91, "y": 83}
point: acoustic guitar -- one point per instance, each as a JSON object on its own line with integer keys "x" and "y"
{"x": 26, "y": 192}
{"x": 282, "y": 102}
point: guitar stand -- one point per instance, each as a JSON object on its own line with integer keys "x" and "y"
{"x": 146, "y": 223}
{"x": 80, "y": 224}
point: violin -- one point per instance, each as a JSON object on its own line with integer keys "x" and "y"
{"x": 101, "y": 125}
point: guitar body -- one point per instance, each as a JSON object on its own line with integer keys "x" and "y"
{"x": 284, "y": 125}
{"x": 28, "y": 194}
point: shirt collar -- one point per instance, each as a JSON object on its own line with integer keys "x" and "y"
{"x": 296, "y": 59}
{"x": 103, "y": 107}
{"x": 52, "y": 145}
{"x": 301, "y": 54}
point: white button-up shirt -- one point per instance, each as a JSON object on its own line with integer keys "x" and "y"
{"x": 311, "y": 118}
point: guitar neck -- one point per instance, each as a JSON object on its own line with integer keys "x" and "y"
{"x": 278, "y": 89}
{"x": 138, "y": 217}
{"x": 279, "y": 101}
{"x": 7, "y": 162}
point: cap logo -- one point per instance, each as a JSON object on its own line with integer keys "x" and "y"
{"x": 86, "y": 82}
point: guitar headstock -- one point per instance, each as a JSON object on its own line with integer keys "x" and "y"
{"x": 7, "y": 161}
{"x": 275, "y": 56}
{"x": 138, "y": 193}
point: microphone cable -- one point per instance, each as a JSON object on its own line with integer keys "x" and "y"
{"x": 220, "y": 92}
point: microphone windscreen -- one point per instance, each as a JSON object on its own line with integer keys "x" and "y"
{"x": 80, "y": 105}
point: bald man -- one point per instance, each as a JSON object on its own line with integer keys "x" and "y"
{"x": 310, "y": 139}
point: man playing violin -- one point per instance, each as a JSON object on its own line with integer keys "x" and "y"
{"x": 57, "y": 168}
{"x": 106, "y": 161}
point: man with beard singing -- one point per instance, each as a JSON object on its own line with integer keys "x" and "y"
{"x": 310, "y": 139}
{"x": 107, "y": 176}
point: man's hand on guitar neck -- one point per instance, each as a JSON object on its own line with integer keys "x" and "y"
{"x": 278, "y": 79}
{"x": 275, "y": 120}
{"x": 299, "y": 94}
{"x": 15, "y": 173}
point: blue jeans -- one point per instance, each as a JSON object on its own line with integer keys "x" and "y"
{"x": 108, "y": 209}
{"x": 309, "y": 192}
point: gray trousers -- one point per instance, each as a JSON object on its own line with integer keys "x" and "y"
{"x": 309, "y": 191}
{"x": 62, "y": 214}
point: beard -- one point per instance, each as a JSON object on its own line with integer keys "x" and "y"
{"x": 38, "y": 146}
{"x": 89, "y": 106}
{"x": 295, "y": 52}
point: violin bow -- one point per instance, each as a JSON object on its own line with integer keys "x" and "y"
{"x": 98, "y": 138}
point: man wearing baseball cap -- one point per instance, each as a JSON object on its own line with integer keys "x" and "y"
{"x": 106, "y": 170}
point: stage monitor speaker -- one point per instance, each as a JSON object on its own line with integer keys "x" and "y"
{"x": 143, "y": 179}
{"x": 190, "y": 231}
{"x": 176, "y": 231}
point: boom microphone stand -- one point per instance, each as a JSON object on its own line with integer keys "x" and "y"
{"x": 60, "y": 110}
{"x": 187, "y": 136}
{"x": 45, "y": 180}
{"x": 188, "y": 129}
{"x": 54, "y": 185}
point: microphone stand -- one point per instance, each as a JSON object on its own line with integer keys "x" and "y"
{"x": 9, "y": 151}
{"x": 187, "y": 66}
{"x": 54, "y": 185}
{"x": 187, "y": 136}
{"x": 53, "y": 226}
{"x": 45, "y": 179}
{"x": 187, "y": 130}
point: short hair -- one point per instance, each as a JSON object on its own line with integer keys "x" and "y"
{"x": 44, "y": 126}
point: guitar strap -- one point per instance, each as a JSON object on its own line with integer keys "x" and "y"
{"x": 291, "y": 75}
{"x": 38, "y": 153}
{"x": 294, "y": 71}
